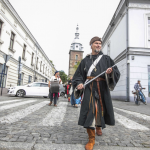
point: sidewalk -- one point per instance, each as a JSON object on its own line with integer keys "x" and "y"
{"x": 142, "y": 108}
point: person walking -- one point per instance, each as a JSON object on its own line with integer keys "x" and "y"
{"x": 138, "y": 88}
{"x": 96, "y": 108}
{"x": 54, "y": 78}
{"x": 68, "y": 89}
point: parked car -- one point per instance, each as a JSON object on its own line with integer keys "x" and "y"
{"x": 61, "y": 90}
{"x": 32, "y": 89}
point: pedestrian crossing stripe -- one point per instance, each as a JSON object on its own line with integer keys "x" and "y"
{"x": 16, "y": 116}
{"x": 11, "y": 101}
{"x": 15, "y": 105}
{"x": 129, "y": 123}
{"x": 143, "y": 116}
{"x": 56, "y": 116}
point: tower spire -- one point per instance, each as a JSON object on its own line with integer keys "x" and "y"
{"x": 77, "y": 32}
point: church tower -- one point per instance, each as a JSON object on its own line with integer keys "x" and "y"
{"x": 75, "y": 53}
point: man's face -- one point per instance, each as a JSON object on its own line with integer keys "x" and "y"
{"x": 138, "y": 82}
{"x": 70, "y": 78}
{"x": 96, "y": 46}
{"x": 57, "y": 74}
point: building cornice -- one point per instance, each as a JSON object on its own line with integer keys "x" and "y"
{"x": 132, "y": 51}
{"x": 75, "y": 51}
{"x": 139, "y": 5}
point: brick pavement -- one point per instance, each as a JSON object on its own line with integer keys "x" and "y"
{"x": 29, "y": 133}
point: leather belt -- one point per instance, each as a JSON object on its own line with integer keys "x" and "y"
{"x": 97, "y": 79}
{"x": 99, "y": 93}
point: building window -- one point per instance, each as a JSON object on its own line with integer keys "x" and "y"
{"x": 32, "y": 59}
{"x": 1, "y": 23}
{"x": 41, "y": 67}
{"x": 149, "y": 81}
{"x": 46, "y": 71}
{"x": 24, "y": 51}
{"x": 76, "y": 46}
{"x": 76, "y": 57}
{"x": 148, "y": 28}
{"x": 30, "y": 79}
{"x": 1, "y": 75}
{"x": 75, "y": 63}
{"x": 22, "y": 75}
{"x": 12, "y": 41}
{"x": 108, "y": 49}
{"x": 37, "y": 63}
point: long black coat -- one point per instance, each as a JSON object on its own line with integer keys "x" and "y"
{"x": 86, "y": 113}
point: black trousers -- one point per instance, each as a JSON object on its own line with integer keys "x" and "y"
{"x": 55, "y": 97}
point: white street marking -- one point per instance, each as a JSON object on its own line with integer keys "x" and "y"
{"x": 15, "y": 105}
{"x": 56, "y": 116}
{"x": 145, "y": 117}
{"x": 129, "y": 123}
{"x": 4, "y": 102}
{"x": 13, "y": 117}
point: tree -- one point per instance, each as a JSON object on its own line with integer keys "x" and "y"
{"x": 63, "y": 76}
{"x": 51, "y": 62}
{"x": 76, "y": 66}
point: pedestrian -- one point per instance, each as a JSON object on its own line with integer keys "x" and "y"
{"x": 65, "y": 86}
{"x": 138, "y": 88}
{"x": 68, "y": 88}
{"x": 54, "y": 78}
{"x": 96, "y": 108}
{"x": 74, "y": 101}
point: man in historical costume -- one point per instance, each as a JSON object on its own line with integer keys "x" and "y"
{"x": 96, "y": 109}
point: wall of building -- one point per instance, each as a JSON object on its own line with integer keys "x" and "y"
{"x": 120, "y": 90}
{"x": 117, "y": 39}
{"x": 139, "y": 70}
{"x": 72, "y": 60}
{"x": 11, "y": 23}
{"x": 137, "y": 26}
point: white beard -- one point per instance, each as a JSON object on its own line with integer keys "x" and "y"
{"x": 97, "y": 51}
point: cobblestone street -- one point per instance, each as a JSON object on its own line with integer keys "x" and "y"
{"x": 29, "y": 123}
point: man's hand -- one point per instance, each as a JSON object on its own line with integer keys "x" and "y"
{"x": 109, "y": 70}
{"x": 80, "y": 86}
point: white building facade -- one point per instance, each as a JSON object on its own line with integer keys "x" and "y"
{"x": 127, "y": 41}
{"x": 16, "y": 40}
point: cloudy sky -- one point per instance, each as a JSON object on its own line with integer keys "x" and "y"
{"x": 53, "y": 24}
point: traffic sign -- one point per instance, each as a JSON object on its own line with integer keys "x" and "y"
{"x": 6, "y": 57}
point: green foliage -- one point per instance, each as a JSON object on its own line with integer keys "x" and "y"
{"x": 63, "y": 76}
{"x": 77, "y": 65}
{"x": 52, "y": 62}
